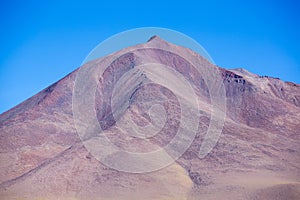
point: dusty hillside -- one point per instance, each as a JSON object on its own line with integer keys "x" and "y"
{"x": 257, "y": 155}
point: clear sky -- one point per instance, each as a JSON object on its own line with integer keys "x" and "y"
{"x": 43, "y": 41}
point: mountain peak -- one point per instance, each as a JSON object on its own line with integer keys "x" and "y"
{"x": 158, "y": 42}
{"x": 154, "y": 37}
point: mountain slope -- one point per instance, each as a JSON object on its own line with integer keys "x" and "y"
{"x": 256, "y": 156}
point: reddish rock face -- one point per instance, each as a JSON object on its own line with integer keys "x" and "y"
{"x": 256, "y": 156}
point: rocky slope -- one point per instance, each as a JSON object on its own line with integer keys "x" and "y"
{"x": 256, "y": 157}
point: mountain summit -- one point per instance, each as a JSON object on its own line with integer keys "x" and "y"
{"x": 256, "y": 155}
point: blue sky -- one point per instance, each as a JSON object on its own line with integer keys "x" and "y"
{"x": 41, "y": 41}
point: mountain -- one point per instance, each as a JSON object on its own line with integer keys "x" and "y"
{"x": 256, "y": 156}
